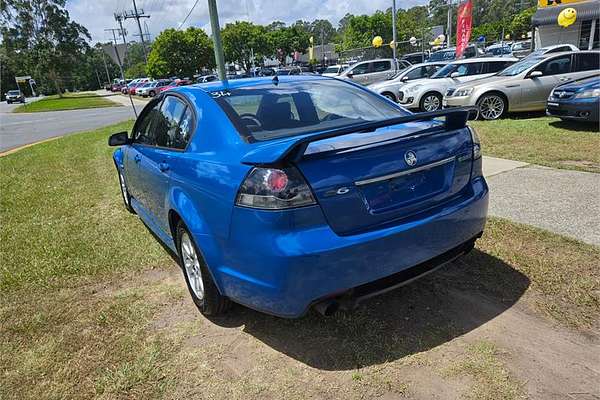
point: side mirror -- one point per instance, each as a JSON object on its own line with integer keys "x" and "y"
{"x": 350, "y": 75}
{"x": 118, "y": 139}
{"x": 454, "y": 75}
{"x": 536, "y": 74}
{"x": 404, "y": 78}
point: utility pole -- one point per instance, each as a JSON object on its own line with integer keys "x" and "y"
{"x": 98, "y": 77}
{"x": 449, "y": 22}
{"x": 106, "y": 67}
{"x": 123, "y": 33}
{"x": 117, "y": 50}
{"x": 322, "y": 47}
{"x": 216, "y": 34}
{"x": 394, "y": 32}
{"x": 137, "y": 15}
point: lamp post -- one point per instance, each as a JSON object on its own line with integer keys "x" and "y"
{"x": 216, "y": 34}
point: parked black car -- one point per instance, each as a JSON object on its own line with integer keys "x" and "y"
{"x": 577, "y": 100}
{"x": 15, "y": 96}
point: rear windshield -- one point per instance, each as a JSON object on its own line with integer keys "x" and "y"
{"x": 269, "y": 111}
{"x": 442, "y": 55}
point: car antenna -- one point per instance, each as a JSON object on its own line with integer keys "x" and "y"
{"x": 275, "y": 80}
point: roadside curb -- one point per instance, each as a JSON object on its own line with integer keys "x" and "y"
{"x": 14, "y": 150}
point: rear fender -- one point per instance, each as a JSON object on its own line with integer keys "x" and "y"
{"x": 182, "y": 204}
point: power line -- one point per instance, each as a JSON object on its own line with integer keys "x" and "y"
{"x": 188, "y": 14}
{"x": 137, "y": 15}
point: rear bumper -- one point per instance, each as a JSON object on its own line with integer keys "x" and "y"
{"x": 580, "y": 110}
{"x": 299, "y": 260}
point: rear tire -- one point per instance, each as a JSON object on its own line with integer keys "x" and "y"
{"x": 124, "y": 192}
{"x": 431, "y": 101}
{"x": 198, "y": 279}
{"x": 491, "y": 106}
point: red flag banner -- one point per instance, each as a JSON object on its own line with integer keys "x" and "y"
{"x": 463, "y": 27}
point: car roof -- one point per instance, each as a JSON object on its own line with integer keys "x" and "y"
{"x": 248, "y": 82}
{"x": 483, "y": 59}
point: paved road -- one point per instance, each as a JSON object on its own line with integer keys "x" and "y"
{"x": 21, "y": 129}
{"x": 561, "y": 201}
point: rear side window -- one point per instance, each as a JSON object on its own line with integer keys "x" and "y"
{"x": 167, "y": 123}
{"x": 144, "y": 132}
{"x": 497, "y": 66}
{"x": 416, "y": 73}
{"x": 469, "y": 69}
{"x": 381, "y": 66}
{"x": 588, "y": 62}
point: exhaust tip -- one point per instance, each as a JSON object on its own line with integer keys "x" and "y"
{"x": 327, "y": 308}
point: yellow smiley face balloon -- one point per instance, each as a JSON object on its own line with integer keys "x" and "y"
{"x": 567, "y": 17}
{"x": 377, "y": 41}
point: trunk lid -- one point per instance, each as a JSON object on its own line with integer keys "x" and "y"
{"x": 379, "y": 173}
{"x": 395, "y": 175}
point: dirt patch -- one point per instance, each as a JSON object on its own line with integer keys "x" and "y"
{"x": 582, "y": 165}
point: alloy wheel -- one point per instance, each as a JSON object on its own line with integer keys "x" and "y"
{"x": 124, "y": 192}
{"x": 491, "y": 107}
{"x": 431, "y": 103}
{"x": 192, "y": 266}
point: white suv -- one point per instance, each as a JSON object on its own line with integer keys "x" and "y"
{"x": 427, "y": 94}
{"x": 367, "y": 72}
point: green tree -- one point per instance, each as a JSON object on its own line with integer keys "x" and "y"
{"x": 321, "y": 29}
{"x": 285, "y": 41}
{"x": 136, "y": 70}
{"x": 49, "y": 45}
{"x": 243, "y": 39}
{"x": 521, "y": 23}
{"x": 180, "y": 53}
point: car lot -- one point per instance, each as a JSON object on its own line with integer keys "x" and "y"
{"x": 114, "y": 320}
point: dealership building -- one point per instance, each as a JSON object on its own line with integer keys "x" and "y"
{"x": 583, "y": 33}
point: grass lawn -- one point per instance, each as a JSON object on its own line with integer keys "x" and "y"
{"x": 69, "y": 101}
{"x": 542, "y": 140}
{"x": 91, "y": 306}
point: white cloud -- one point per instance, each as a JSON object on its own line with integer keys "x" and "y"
{"x": 97, "y": 15}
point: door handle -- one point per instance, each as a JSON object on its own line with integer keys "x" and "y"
{"x": 137, "y": 158}
{"x": 163, "y": 166}
{"x": 563, "y": 79}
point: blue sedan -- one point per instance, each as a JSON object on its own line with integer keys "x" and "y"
{"x": 577, "y": 101}
{"x": 290, "y": 192}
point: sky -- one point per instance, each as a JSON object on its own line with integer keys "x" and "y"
{"x": 97, "y": 15}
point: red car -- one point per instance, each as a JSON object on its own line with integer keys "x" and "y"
{"x": 175, "y": 83}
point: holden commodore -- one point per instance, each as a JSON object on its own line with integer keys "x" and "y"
{"x": 298, "y": 191}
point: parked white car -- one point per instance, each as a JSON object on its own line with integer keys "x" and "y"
{"x": 335, "y": 70}
{"x": 427, "y": 94}
{"x": 389, "y": 88}
{"x": 371, "y": 71}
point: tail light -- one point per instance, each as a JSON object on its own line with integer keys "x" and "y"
{"x": 274, "y": 189}
{"x": 476, "y": 143}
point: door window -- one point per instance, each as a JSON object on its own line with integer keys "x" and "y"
{"x": 416, "y": 73}
{"x": 588, "y": 62}
{"x": 167, "y": 123}
{"x": 555, "y": 66}
{"x": 360, "y": 69}
{"x": 469, "y": 69}
{"x": 381, "y": 66}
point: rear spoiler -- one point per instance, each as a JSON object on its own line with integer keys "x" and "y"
{"x": 292, "y": 149}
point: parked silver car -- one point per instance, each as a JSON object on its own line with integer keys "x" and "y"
{"x": 523, "y": 86}
{"x": 427, "y": 94}
{"x": 390, "y": 87}
{"x": 371, "y": 71}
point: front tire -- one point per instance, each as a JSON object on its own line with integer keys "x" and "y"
{"x": 198, "y": 279}
{"x": 491, "y": 106}
{"x": 431, "y": 101}
{"x": 389, "y": 96}
{"x": 152, "y": 94}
